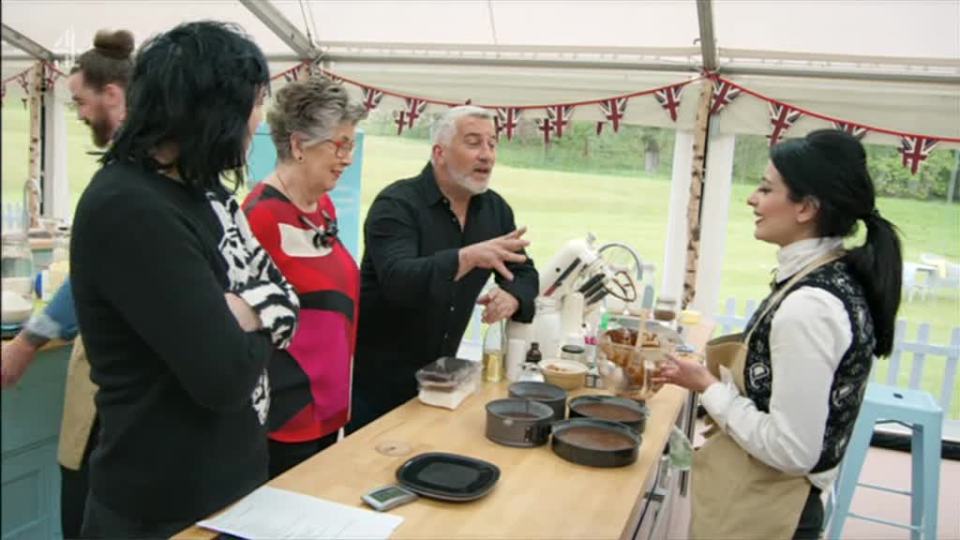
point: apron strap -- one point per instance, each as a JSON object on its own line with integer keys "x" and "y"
{"x": 782, "y": 292}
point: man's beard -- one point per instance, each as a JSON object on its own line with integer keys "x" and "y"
{"x": 101, "y": 131}
{"x": 465, "y": 180}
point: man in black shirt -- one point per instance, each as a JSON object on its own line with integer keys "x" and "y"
{"x": 431, "y": 243}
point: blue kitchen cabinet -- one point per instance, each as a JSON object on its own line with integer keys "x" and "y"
{"x": 30, "y": 428}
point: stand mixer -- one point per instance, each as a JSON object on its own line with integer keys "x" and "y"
{"x": 574, "y": 287}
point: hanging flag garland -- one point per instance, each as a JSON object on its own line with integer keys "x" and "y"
{"x": 371, "y": 98}
{"x": 400, "y": 119}
{"x": 914, "y": 150}
{"x": 558, "y": 116}
{"x": 613, "y": 111}
{"x": 292, "y": 74}
{"x": 407, "y": 117}
{"x": 669, "y": 99}
{"x": 782, "y": 118}
{"x": 506, "y": 121}
{"x": 723, "y": 94}
{"x": 856, "y": 130}
{"x": 415, "y": 108}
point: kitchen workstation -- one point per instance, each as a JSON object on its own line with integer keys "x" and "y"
{"x": 557, "y": 431}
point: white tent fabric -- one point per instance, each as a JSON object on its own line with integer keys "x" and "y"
{"x": 371, "y": 41}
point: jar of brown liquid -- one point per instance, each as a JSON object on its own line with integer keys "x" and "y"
{"x": 665, "y": 309}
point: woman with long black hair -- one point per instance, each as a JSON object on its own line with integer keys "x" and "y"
{"x": 785, "y": 397}
{"x": 179, "y": 306}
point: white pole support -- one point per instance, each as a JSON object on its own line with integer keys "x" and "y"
{"x": 56, "y": 182}
{"x": 674, "y": 253}
{"x": 713, "y": 221}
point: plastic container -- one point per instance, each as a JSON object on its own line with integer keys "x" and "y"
{"x": 447, "y": 381}
{"x": 548, "y": 327}
{"x": 629, "y": 352}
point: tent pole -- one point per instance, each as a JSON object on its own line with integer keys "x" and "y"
{"x": 273, "y": 19}
{"x": 696, "y": 191}
{"x": 954, "y": 179}
{"x": 674, "y": 258}
{"x": 34, "y": 167}
{"x": 25, "y": 44}
{"x": 708, "y": 45}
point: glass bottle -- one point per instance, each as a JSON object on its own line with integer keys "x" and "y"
{"x": 60, "y": 261}
{"x": 548, "y": 331}
{"x": 493, "y": 352}
{"x": 530, "y": 370}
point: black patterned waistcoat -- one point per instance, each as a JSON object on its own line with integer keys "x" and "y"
{"x": 850, "y": 377}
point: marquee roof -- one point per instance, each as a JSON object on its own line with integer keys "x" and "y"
{"x": 886, "y": 63}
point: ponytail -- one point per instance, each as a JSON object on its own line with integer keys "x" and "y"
{"x": 878, "y": 265}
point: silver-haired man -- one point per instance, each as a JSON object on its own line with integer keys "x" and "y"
{"x": 431, "y": 243}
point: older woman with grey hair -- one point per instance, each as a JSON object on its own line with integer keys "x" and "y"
{"x": 313, "y": 125}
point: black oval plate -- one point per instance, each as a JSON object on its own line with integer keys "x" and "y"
{"x": 448, "y": 477}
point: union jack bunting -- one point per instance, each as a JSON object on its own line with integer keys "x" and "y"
{"x": 415, "y": 108}
{"x": 914, "y": 150}
{"x": 506, "y": 121}
{"x": 723, "y": 94}
{"x": 292, "y": 74}
{"x": 24, "y": 82}
{"x": 371, "y": 97}
{"x": 669, "y": 99}
{"x": 400, "y": 119}
{"x": 782, "y": 118}
{"x": 323, "y": 72}
{"x": 613, "y": 111}
{"x": 558, "y": 116}
{"x": 856, "y": 130}
{"x": 50, "y": 75}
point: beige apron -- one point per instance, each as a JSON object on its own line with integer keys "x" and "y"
{"x": 79, "y": 410}
{"x": 735, "y": 495}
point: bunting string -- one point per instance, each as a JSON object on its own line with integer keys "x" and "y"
{"x": 914, "y": 147}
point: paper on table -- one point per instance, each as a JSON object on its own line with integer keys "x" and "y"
{"x": 275, "y": 513}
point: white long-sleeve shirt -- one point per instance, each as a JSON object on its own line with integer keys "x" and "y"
{"x": 809, "y": 334}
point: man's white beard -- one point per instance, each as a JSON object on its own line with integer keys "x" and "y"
{"x": 465, "y": 181}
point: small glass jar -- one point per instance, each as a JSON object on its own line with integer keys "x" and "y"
{"x": 17, "y": 265}
{"x": 575, "y": 353}
{"x": 665, "y": 310}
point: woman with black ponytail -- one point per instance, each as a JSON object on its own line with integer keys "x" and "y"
{"x": 784, "y": 397}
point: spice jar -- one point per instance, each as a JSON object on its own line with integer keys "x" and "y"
{"x": 575, "y": 353}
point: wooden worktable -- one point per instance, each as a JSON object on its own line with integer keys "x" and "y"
{"x": 539, "y": 495}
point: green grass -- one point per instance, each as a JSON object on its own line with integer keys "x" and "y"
{"x": 557, "y": 206}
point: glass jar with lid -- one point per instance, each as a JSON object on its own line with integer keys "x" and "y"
{"x": 17, "y": 265}
{"x": 665, "y": 310}
{"x": 576, "y": 353}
